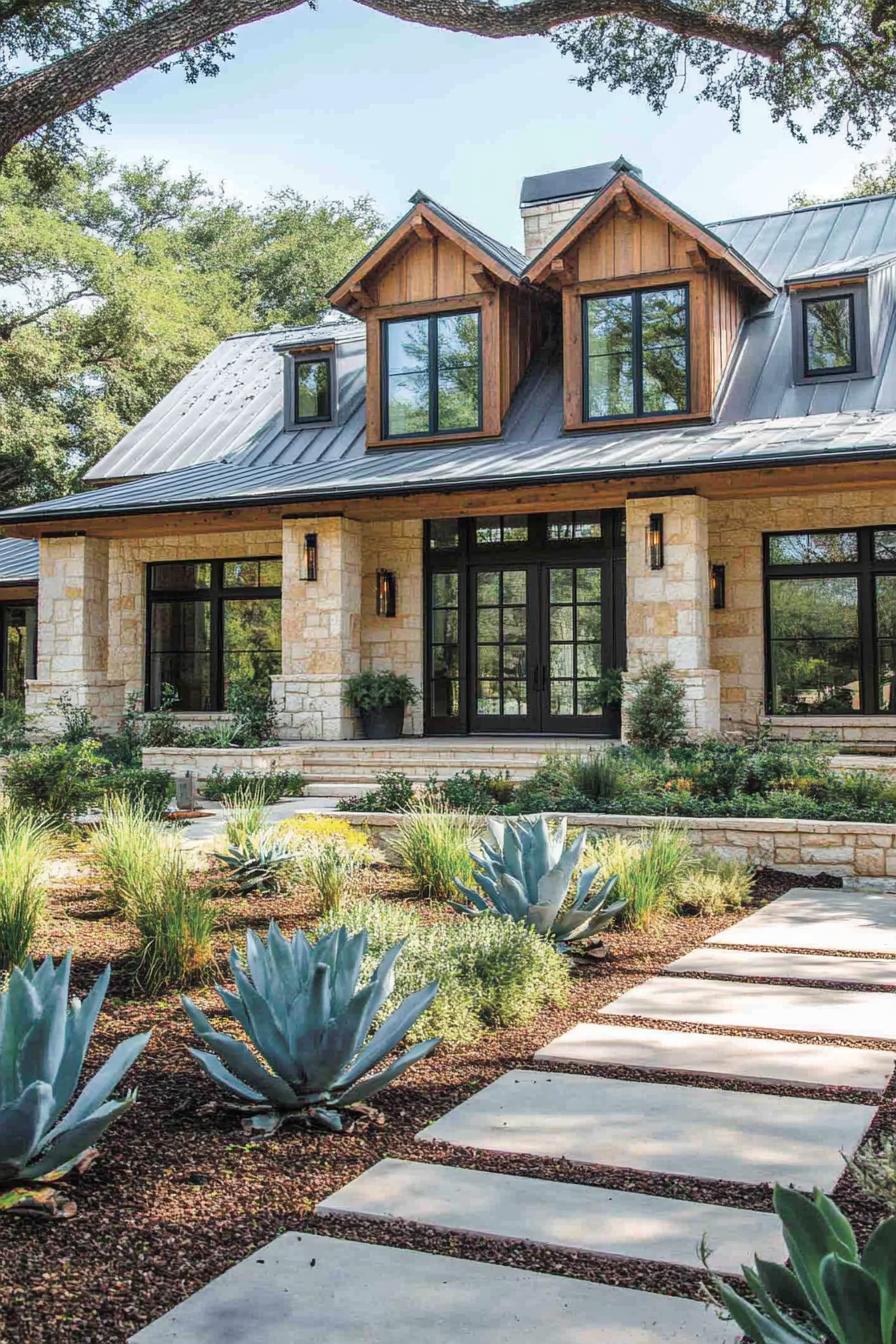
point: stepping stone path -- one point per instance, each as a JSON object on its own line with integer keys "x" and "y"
{"x": 662, "y": 1127}
{"x": 554, "y": 1213}
{"x": 820, "y": 920}
{"x": 302, "y": 1288}
{"x": 756, "y": 965}
{"x": 815, "y": 1012}
{"x": 722, "y": 1056}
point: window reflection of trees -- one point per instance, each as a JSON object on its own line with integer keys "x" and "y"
{"x": 637, "y": 353}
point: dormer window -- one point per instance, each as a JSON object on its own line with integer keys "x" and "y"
{"x": 312, "y": 390}
{"x": 432, "y": 374}
{"x": 829, "y": 336}
{"x": 636, "y": 349}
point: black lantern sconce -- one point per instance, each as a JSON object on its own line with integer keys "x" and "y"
{"x": 655, "y": 540}
{"x": 309, "y": 558}
{"x": 385, "y": 592}
{"x": 717, "y": 586}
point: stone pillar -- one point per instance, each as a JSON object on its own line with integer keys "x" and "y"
{"x": 667, "y": 610}
{"x": 321, "y": 630}
{"x": 73, "y": 624}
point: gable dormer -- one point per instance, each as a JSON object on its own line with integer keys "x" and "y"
{"x": 840, "y": 315}
{"x": 652, "y": 304}
{"x": 450, "y": 328}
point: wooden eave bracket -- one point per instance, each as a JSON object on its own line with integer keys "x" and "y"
{"x": 360, "y": 296}
{"x": 483, "y": 277}
{"x": 696, "y": 255}
{"x": 423, "y": 229}
{"x": 626, "y": 206}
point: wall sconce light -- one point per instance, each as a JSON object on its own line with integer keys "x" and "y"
{"x": 309, "y": 558}
{"x": 655, "y": 540}
{"x": 385, "y": 592}
{"x": 717, "y": 586}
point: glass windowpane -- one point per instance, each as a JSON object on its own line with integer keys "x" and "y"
{"x": 312, "y": 389}
{"x": 180, "y": 576}
{"x": 885, "y": 609}
{"x": 180, "y": 653}
{"x": 813, "y": 548}
{"x": 885, "y": 544}
{"x": 444, "y": 534}
{"x": 814, "y": 643}
{"x": 664, "y": 338}
{"x": 829, "y": 334}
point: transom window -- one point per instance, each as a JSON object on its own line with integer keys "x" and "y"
{"x": 211, "y": 624}
{"x": 313, "y": 392}
{"x": 831, "y": 621}
{"x": 432, "y": 374}
{"x": 636, "y": 349}
{"x": 829, "y": 337}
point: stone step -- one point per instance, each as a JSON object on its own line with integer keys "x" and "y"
{"x": 554, "y": 1213}
{"x": 820, "y": 920}
{"x": 332, "y": 789}
{"x": 756, "y": 965}
{"x": 746, "y": 1057}
{"x": 303, "y": 1289}
{"x": 659, "y": 1127}
{"x": 841, "y": 1013}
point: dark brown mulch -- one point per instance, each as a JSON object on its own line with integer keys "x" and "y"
{"x": 175, "y": 1199}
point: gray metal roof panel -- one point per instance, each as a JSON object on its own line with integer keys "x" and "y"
{"x": 19, "y": 560}
{"x": 854, "y": 265}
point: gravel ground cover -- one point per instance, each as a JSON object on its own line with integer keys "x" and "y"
{"x": 176, "y": 1198}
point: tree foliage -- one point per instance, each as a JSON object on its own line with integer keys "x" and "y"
{"x": 869, "y": 179}
{"x": 824, "y": 65}
{"x": 114, "y": 282}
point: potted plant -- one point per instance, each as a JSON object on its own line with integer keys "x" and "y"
{"x": 380, "y": 699}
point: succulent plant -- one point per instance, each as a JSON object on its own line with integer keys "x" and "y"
{"x": 43, "y": 1041}
{"x": 525, "y": 875}
{"x": 839, "y": 1294}
{"x": 300, "y": 1005}
{"x": 258, "y": 865}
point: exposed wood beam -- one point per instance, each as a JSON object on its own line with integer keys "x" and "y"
{"x": 423, "y": 229}
{"x": 696, "y": 256}
{"x": 360, "y": 296}
{"x": 483, "y": 277}
{"x": 626, "y": 206}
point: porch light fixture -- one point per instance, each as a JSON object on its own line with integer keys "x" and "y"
{"x": 309, "y": 558}
{"x": 717, "y": 586}
{"x": 385, "y": 592}
{"x": 655, "y": 540}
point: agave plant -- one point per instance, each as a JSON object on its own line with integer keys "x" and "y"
{"x": 300, "y": 1005}
{"x": 840, "y": 1295}
{"x": 526, "y": 874}
{"x": 43, "y": 1041}
{"x": 258, "y": 865}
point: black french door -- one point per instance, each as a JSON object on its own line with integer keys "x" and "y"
{"x": 523, "y": 622}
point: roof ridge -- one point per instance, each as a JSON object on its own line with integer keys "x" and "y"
{"x": 802, "y": 209}
{"x": 422, "y": 198}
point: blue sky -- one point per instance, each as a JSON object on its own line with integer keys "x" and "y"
{"x": 340, "y": 101}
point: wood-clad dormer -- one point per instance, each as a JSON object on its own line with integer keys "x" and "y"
{"x": 450, "y": 328}
{"x": 652, "y": 304}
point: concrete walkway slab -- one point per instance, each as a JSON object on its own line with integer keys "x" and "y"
{"x": 302, "y": 1289}
{"x": 554, "y": 1213}
{"x": 820, "y": 919}
{"x": 722, "y": 1056}
{"x": 842, "y": 1013}
{"x": 685, "y": 1131}
{"x": 756, "y": 965}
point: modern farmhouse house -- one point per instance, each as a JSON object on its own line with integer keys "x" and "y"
{"x": 506, "y": 475}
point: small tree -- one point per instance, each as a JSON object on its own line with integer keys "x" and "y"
{"x": 655, "y": 708}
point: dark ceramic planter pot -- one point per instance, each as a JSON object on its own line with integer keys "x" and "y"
{"x": 387, "y": 721}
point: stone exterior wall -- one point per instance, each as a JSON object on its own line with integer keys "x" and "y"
{"x": 736, "y": 633}
{"x": 542, "y": 222}
{"x": 394, "y": 643}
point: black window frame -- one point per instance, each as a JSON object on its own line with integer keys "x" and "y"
{"x": 433, "y": 373}
{"x": 865, "y": 569}
{"x": 313, "y": 357}
{"x": 7, "y": 607}
{"x": 841, "y": 369}
{"x": 638, "y": 413}
{"x": 216, "y": 594}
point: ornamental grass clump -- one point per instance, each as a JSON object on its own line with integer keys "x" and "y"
{"x": 332, "y": 869}
{"x": 433, "y": 843}
{"x": 245, "y": 820}
{"x": 174, "y": 918}
{"x": 873, "y": 1168}
{"x": 714, "y": 885}
{"x": 309, "y": 1024}
{"x": 649, "y": 868}
{"x": 130, "y": 849}
{"x": 43, "y": 1042}
{"x": 27, "y": 846}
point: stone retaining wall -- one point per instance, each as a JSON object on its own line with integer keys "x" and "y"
{"x": 844, "y": 848}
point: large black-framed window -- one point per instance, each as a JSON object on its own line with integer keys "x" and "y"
{"x": 211, "y": 624}
{"x": 636, "y": 352}
{"x": 18, "y": 647}
{"x": 829, "y": 336}
{"x": 432, "y": 374}
{"x": 830, "y": 621}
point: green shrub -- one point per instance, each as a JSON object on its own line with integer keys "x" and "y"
{"x": 650, "y": 866}
{"x": 272, "y": 786}
{"x": 491, "y": 972}
{"x": 254, "y": 714}
{"x": 379, "y": 690}
{"x": 26, "y": 848}
{"x": 57, "y": 780}
{"x": 434, "y": 847}
{"x": 394, "y": 792}
{"x": 874, "y": 1170}
{"x": 598, "y": 775}
{"x": 655, "y": 707}
{"x": 160, "y": 726}
{"x": 174, "y": 920}
{"x": 306, "y": 829}
{"x": 470, "y": 791}
{"x": 78, "y": 723}
{"x": 552, "y": 787}
{"x": 714, "y": 885}
{"x": 14, "y": 724}
{"x": 153, "y": 788}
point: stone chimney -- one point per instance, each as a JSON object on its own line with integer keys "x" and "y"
{"x": 550, "y": 200}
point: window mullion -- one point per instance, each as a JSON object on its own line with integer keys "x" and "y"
{"x": 216, "y": 632}
{"x": 637, "y": 355}
{"x": 433, "y": 375}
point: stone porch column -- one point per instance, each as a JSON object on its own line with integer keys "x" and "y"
{"x": 73, "y": 639}
{"x": 667, "y": 610}
{"x": 321, "y": 629}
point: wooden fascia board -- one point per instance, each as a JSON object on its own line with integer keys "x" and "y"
{"x": 406, "y": 232}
